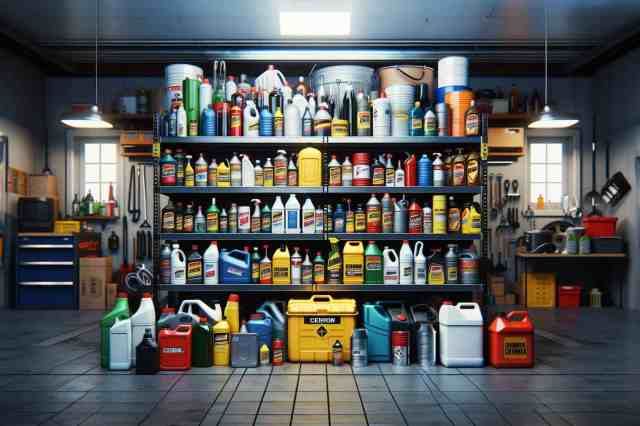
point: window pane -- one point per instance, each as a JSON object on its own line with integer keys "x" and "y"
{"x": 91, "y": 173}
{"x": 92, "y": 152}
{"x": 554, "y": 153}
{"x": 554, "y": 173}
{"x": 108, "y": 153}
{"x": 538, "y": 173}
{"x": 108, "y": 172}
{"x": 536, "y": 190}
{"x": 94, "y": 188}
{"x": 105, "y": 192}
{"x": 538, "y": 153}
{"x": 554, "y": 192}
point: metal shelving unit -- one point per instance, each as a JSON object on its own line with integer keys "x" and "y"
{"x": 225, "y": 236}
{"x": 206, "y": 190}
{"x": 272, "y": 288}
{"x": 404, "y": 190}
{"x": 400, "y": 237}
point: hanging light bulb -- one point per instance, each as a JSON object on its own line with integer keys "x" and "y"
{"x": 91, "y": 119}
{"x": 548, "y": 119}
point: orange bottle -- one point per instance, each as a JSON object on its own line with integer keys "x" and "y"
{"x": 511, "y": 341}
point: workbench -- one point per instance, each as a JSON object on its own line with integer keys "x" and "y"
{"x": 600, "y": 258}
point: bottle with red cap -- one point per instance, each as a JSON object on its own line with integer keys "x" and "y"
{"x": 143, "y": 319}
{"x": 232, "y": 312}
{"x": 410, "y": 171}
{"x": 415, "y": 218}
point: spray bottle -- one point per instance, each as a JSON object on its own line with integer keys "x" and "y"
{"x": 296, "y": 266}
{"x": 406, "y": 263}
{"x": 419, "y": 264}
{"x": 256, "y": 217}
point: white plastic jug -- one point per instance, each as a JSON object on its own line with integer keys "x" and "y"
{"x": 214, "y": 315}
{"x": 308, "y": 217}
{"x": 461, "y": 335}
{"x": 277, "y": 216}
{"x": 120, "y": 345}
{"x": 406, "y": 263}
{"x": 251, "y": 119}
{"x": 292, "y": 120}
{"x": 178, "y": 266}
{"x": 144, "y": 318}
{"x": 292, "y": 216}
{"x": 248, "y": 172}
{"x": 419, "y": 264}
{"x": 210, "y": 260}
{"x": 390, "y": 266}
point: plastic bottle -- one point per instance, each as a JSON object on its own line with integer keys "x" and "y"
{"x": 189, "y": 173}
{"x": 278, "y": 122}
{"x": 265, "y": 267}
{"x": 235, "y": 170}
{"x": 307, "y": 269}
{"x": 374, "y": 215}
{"x": 265, "y": 219}
{"x": 200, "y": 223}
{"x": 347, "y": 172}
{"x": 292, "y": 173}
{"x": 277, "y": 216}
{"x": 223, "y": 178}
{"x": 255, "y": 265}
{"x": 425, "y": 171}
{"x": 256, "y": 218}
{"x": 436, "y": 274}
{"x": 244, "y": 219}
{"x": 173, "y": 124}
{"x": 373, "y": 264}
{"x": 230, "y": 87}
{"x": 202, "y": 344}
{"x": 233, "y": 218}
{"x": 208, "y": 122}
{"x": 410, "y": 175}
{"x": 265, "y": 122}
{"x": 212, "y": 173}
{"x": 419, "y": 264}
{"x": 144, "y": 318}
{"x": 181, "y": 122}
{"x": 232, "y": 312}
{"x": 268, "y": 172}
{"x": 390, "y": 266}
{"x": 319, "y": 276}
{"x": 224, "y": 221}
{"x": 399, "y": 179}
{"x": 221, "y": 332}
{"x": 377, "y": 172}
{"x": 389, "y": 172}
{"x": 251, "y": 119}
{"x": 258, "y": 174}
{"x": 438, "y": 170}
{"x": 400, "y": 216}
{"x": 415, "y": 218}
{"x": 307, "y": 122}
{"x": 281, "y": 266}
{"x": 280, "y": 165}
{"x": 322, "y": 121}
{"x": 168, "y": 218}
{"x": 360, "y": 219}
{"x": 406, "y": 263}
{"x": 247, "y": 172}
{"x": 416, "y": 120}
{"x": 211, "y": 258}
{"x": 167, "y": 169}
{"x": 147, "y": 355}
{"x": 451, "y": 261}
{"x": 194, "y": 266}
{"x": 265, "y": 355}
{"x": 349, "y": 219}
{"x": 120, "y": 345}
{"x": 335, "y": 172}
{"x": 178, "y": 266}
{"x": 430, "y": 123}
{"x": 292, "y": 217}
{"x": 308, "y": 217}
{"x": 213, "y": 217}
{"x": 296, "y": 266}
{"x": 165, "y": 264}
{"x": 179, "y": 218}
{"x": 334, "y": 263}
{"x": 120, "y": 311}
{"x": 471, "y": 220}
{"x": 363, "y": 115}
{"x": 387, "y": 213}
{"x": 292, "y": 120}
{"x": 339, "y": 219}
{"x": 427, "y": 220}
{"x": 188, "y": 218}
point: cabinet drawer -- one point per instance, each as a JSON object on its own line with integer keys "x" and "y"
{"x": 506, "y": 138}
{"x": 31, "y": 250}
{"x": 46, "y": 297}
{"x": 45, "y": 274}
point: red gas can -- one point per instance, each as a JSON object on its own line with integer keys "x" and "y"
{"x": 511, "y": 341}
{"x": 410, "y": 174}
{"x": 175, "y": 348}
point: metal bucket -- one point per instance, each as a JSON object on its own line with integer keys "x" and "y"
{"x": 406, "y": 74}
{"x": 336, "y": 80}
{"x": 359, "y": 344}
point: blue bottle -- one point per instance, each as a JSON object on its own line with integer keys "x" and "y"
{"x": 416, "y": 120}
{"x": 208, "y": 122}
{"x": 173, "y": 123}
{"x": 260, "y": 324}
{"x": 266, "y": 122}
{"x": 425, "y": 171}
{"x": 339, "y": 217}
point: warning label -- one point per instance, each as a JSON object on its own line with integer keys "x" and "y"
{"x": 515, "y": 347}
{"x": 322, "y": 320}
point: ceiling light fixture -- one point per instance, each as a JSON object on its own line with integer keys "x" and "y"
{"x": 92, "y": 118}
{"x": 315, "y": 23}
{"x": 548, "y": 119}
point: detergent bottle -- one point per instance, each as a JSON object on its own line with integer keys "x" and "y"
{"x": 235, "y": 170}
{"x": 390, "y": 266}
{"x": 143, "y": 319}
{"x": 296, "y": 266}
{"x": 232, "y": 312}
{"x": 436, "y": 269}
{"x": 223, "y": 178}
{"x": 247, "y": 171}
{"x": 425, "y": 171}
{"x": 281, "y": 266}
{"x": 178, "y": 266}
{"x": 353, "y": 255}
{"x": 292, "y": 215}
{"x": 251, "y": 122}
{"x": 277, "y": 216}
{"x": 120, "y": 311}
{"x": 202, "y": 344}
{"x": 471, "y": 219}
{"x": 307, "y": 269}
{"x": 201, "y": 171}
{"x": 308, "y": 217}
{"x": 210, "y": 259}
{"x": 120, "y": 344}
{"x": 267, "y": 171}
{"x": 406, "y": 263}
{"x": 265, "y": 267}
{"x": 334, "y": 263}
{"x": 373, "y": 264}
{"x": 419, "y": 264}
{"x": 221, "y": 332}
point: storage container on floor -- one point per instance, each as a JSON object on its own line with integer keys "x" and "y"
{"x": 402, "y": 320}
{"x": 213, "y": 314}
{"x": 175, "y": 348}
{"x": 315, "y": 324}
{"x": 569, "y": 296}
{"x": 541, "y": 289}
{"x": 461, "y": 337}
{"x": 244, "y": 350}
{"x": 120, "y": 345}
{"x": 120, "y": 312}
{"x": 261, "y": 325}
{"x": 377, "y": 322}
{"x": 275, "y": 310}
{"x": 143, "y": 319}
{"x": 511, "y": 340}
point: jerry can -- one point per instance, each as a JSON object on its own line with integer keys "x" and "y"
{"x": 202, "y": 344}
{"x": 316, "y": 323}
{"x": 309, "y": 167}
{"x": 353, "y": 262}
{"x": 120, "y": 312}
{"x": 460, "y": 335}
{"x": 244, "y": 350}
{"x": 402, "y": 320}
{"x": 377, "y": 322}
{"x": 275, "y": 311}
{"x": 235, "y": 267}
{"x": 175, "y": 348}
{"x": 511, "y": 342}
{"x": 281, "y": 266}
{"x": 213, "y": 314}
{"x": 261, "y": 325}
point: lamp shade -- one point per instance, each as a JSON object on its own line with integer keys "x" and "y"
{"x": 550, "y": 120}
{"x": 91, "y": 119}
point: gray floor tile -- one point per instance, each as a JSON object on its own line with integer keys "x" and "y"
{"x": 212, "y": 419}
{"x": 310, "y": 383}
{"x": 451, "y": 383}
{"x": 509, "y": 396}
{"x": 420, "y": 397}
{"x": 242, "y": 407}
{"x": 232, "y": 383}
{"x": 385, "y": 419}
{"x": 392, "y": 369}
{"x": 339, "y": 407}
{"x": 311, "y": 396}
{"x": 344, "y": 369}
{"x": 224, "y": 397}
{"x": 419, "y": 410}
{"x": 253, "y": 383}
{"x": 466, "y": 397}
{"x": 216, "y": 370}
{"x": 273, "y": 419}
{"x": 376, "y": 396}
{"x": 369, "y": 369}
{"x": 309, "y": 407}
{"x": 406, "y": 383}
{"x": 371, "y": 383}
{"x": 283, "y": 383}
{"x": 100, "y": 419}
{"x": 344, "y": 396}
{"x": 176, "y": 417}
{"x": 67, "y": 419}
{"x": 262, "y": 370}
{"x": 201, "y": 383}
{"x": 276, "y": 407}
{"x": 286, "y": 369}
{"x": 529, "y": 382}
{"x": 237, "y": 419}
{"x": 310, "y": 419}
{"x": 380, "y": 407}
{"x": 459, "y": 420}
{"x": 37, "y": 382}
{"x": 312, "y": 368}
{"x": 245, "y": 396}
{"x": 279, "y": 396}
{"x": 348, "y": 420}
{"x": 554, "y": 419}
{"x": 342, "y": 383}
{"x": 486, "y": 419}
{"x": 524, "y": 419}
{"x": 122, "y": 396}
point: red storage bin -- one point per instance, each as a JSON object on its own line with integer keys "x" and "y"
{"x": 569, "y": 296}
{"x": 600, "y": 226}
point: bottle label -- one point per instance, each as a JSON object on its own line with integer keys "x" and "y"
{"x": 280, "y": 175}
{"x": 373, "y": 219}
{"x": 308, "y": 221}
{"x": 454, "y": 220}
{"x": 212, "y": 222}
{"x": 347, "y": 173}
{"x": 403, "y": 116}
{"x": 189, "y": 178}
{"x": 307, "y": 127}
{"x": 333, "y": 267}
{"x": 458, "y": 174}
{"x": 452, "y": 274}
{"x": 292, "y": 219}
{"x": 193, "y": 127}
{"x": 212, "y": 177}
{"x": 165, "y": 271}
{"x": 255, "y": 272}
{"x": 322, "y": 127}
{"x": 244, "y": 221}
{"x": 334, "y": 176}
{"x": 235, "y": 122}
{"x": 307, "y": 274}
{"x": 430, "y": 126}
{"x": 436, "y": 273}
{"x": 378, "y": 178}
{"x": 210, "y": 270}
{"x": 339, "y": 128}
{"x": 387, "y": 221}
{"x": 179, "y": 222}
{"x": 281, "y": 273}
{"x": 265, "y": 223}
{"x": 319, "y": 218}
{"x": 255, "y": 224}
{"x": 373, "y": 263}
{"x": 233, "y": 222}
{"x": 223, "y": 177}
{"x": 254, "y": 125}
{"x": 268, "y": 176}
{"x": 360, "y": 222}
{"x": 472, "y": 125}
{"x": 349, "y": 225}
{"x": 353, "y": 270}
{"x": 362, "y": 172}
{"x": 187, "y": 223}
{"x": 259, "y": 179}
{"x": 473, "y": 172}
{"x": 416, "y": 123}
{"x": 194, "y": 270}
{"x": 292, "y": 178}
{"x": 278, "y": 122}
{"x": 338, "y": 224}
{"x": 364, "y": 120}
{"x": 277, "y": 220}
{"x": 201, "y": 177}
{"x": 265, "y": 272}
{"x": 168, "y": 221}
{"x": 224, "y": 224}
{"x": 318, "y": 273}
{"x": 415, "y": 222}
{"x": 168, "y": 174}
{"x": 389, "y": 176}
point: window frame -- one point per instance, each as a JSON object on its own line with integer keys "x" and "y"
{"x": 82, "y": 163}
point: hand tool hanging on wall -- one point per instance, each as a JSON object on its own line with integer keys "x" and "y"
{"x": 593, "y": 197}
{"x": 507, "y": 186}
{"x": 138, "y": 281}
{"x": 492, "y": 197}
{"x": 125, "y": 267}
{"x": 143, "y": 236}
{"x": 133, "y": 200}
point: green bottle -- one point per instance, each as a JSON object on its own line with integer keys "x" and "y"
{"x": 255, "y": 266}
{"x": 372, "y": 264}
{"x": 213, "y": 217}
{"x": 265, "y": 219}
{"x": 121, "y": 312}
{"x": 334, "y": 263}
{"x": 202, "y": 344}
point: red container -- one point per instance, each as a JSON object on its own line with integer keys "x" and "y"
{"x": 600, "y": 226}
{"x": 410, "y": 176}
{"x": 569, "y": 296}
{"x": 415, "y": 218}
{"x": 361, "y": 169}
{"x": 175, "y": 348}
{"x": 511, "y": 341}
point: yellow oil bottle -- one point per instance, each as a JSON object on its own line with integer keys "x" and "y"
{"x": 334, "y": 263}
{"x": 223, "y": 174}
{"x": 353, "y": 262}
{"x": 281, "y": 266}
{"x": 221, "y": 343}
{"x": 309, "y": 167}
{"x": 471, "y": 220}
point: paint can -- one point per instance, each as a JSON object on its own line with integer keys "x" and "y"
{"x": 439, "y": 214}
{"x": 359, "y": 343}
{"x": 400, "y": 348}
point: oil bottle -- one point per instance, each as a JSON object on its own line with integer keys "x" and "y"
{"x": 372, "y": 264}
{"x": 453, "y": 216}
{"x": 281, "y": 266}
{"x": 307, "y": 122}
{"x": 307, "y": 269}
{"x": 224, "y": 221}
{"x": 212, "y": 173}
{"x": 167, "y": 169}
{"x": 374, "y": 215}
{"x": 308, "y": 217}
{"x": 318, "y": 269}
{"x": 328, "y": 219}
{"x": 431, "y": 123}
{"x": 233, "y": 218}
{"x": 188, "y": 218}
{"x": 189, "y": 174}
{"x": 168, "y": 218}
{"x": 259, "y": 174}
{"x": 436, "y": 269}
{"x": 194, "y": 266}
{"x": 179, "y": 225}
{"x": 349, "y": 221}
{"x": 223, "y": 178}
{"x": 200, "y": 223}
{"x": 438, "y": 170}
{"x": 387, "y": 213}
{"x": 360, "y": 219}
{"x": 416, "y": 120}
{"x": 322, "y": 121}
{"x": 335, "y": 172}
{"x": 334, "y": 263}
{"x": 255, "y": 265}
{"x": 399, "y": 180}
{"x": 353, "y": 255}
{"x": 451, "y": 260}
{"x": 415, "y": 218}
{"x": 471, "y": 219}
{"x": 179, "y": 167}
{"x": 296, "y": 266}
{"x": 448, "y": 167}
{"x": 278, "y": 122}
{"x": 277, "y": 216}
{"x": 377, "y": 172}
{"x": 473, "y": 169}
{"x": 472, "y": 121}
{"x": 268, "y": 172}
{"x": 419, "y": 264}
{"x": 459, "y": 170}
{"x": 256, "y": 217}
{"x": 292, "y": 173}
{"x": 235, "y": 170}
{"x": 347, "y": 172}
{"x": 364, "y": 115}
{"x": 339, "y": 217}
{"x": 389, "y": 172}
{"x": 280, "y": 168}
{"x": 265, "y": 267}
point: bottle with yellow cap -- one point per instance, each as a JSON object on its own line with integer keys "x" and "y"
{"x": 221, "y": 332}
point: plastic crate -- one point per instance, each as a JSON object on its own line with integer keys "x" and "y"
{"x": 541, "y": 289}
{"x": 66, "y": 226}
{"x": 600, "y": 226}
{"x": 569, "y": 296}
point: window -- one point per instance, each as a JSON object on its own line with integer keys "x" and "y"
{"x": 100, "y": 161}
{"x": 552, "y": 172}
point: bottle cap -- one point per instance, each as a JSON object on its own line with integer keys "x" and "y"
{"x": 146, "y": 295}
{"x": 204, "y": 320}
{"x": 123, "y": 295}
{"x": 256, "y": 316}
{"x": 168, "y": 310}
{"x": 402, "y": 317}
{"x": 233, "y": 297}
{"x": 447, "y": 302}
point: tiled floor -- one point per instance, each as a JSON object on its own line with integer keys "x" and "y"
{"x": 587, "y": 373}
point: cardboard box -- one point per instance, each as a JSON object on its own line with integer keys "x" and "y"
{"x": 112, "y": 294}
{"x": 510, "y": 299}
{"x": 497, "y": 288}
{"x": 95, "y": 273}
{"x": 499, "y": 300}
{"x": 43, "y": 186}
{"x": 89, "y": 244}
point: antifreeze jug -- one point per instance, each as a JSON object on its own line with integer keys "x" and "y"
{"x": 274, "y": 310}
{"x": 377, "y": 322}
{"x": 147, "y": 354}
{"x": 221, "y": 345}
{"x": 143, "y": 319}
{"x": 202, "y": 344}
{"x": 260, "y": 324}
{"x": 235, "y": 267}
{"x": 120, "y": 345}
{"x": 213, "y": 314}
{"x": 120, "y": 311}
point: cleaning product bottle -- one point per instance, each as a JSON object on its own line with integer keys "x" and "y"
{"x": 119, "y": 311}
{"x": 120, "y": 345}
{"x": 335, "y": 172}
{"x": 438, "y": 170}
{"x": 256, "y": 217}
{"x": 296, "y": 266}
{"x": 224, "y": 221}
{"x": 416, "y": 119}
{"x": 247, "y": 171}
{"x": 265, "y": 219}
{"x": 178, "y": 266}
{"x": 390, "y": 266}
{"x": 471, "y": 220}
{"x": 431, "y": 123}
{"x": 265, "y": 354}
{"x": 328, "y": 221}
{"x": 265, "y": 267}
{"x": 212, "y": 173}
{"x": 415, "y": 218}
{"x": 179, "y": 219}
{"x": 200, "y": 223}
{"x": 360, "y": 219}
{"x": 436, "y": 269}
{"x": 277, "y": 216}
{"x": 208, "y": 121}
{"x": 255, "y": 266}
{"x": 373, "y": 264}
{"x": 223, "y": 178}
{"x": 308, "y": 217}
{"x": 189, "y": 173}
{"x": 399, "y": 180}
{"x": 251, "y": 119}
{"x": 347, "y": 172}
{"x": 319, "y": 276}
{"x": 389, "y": 172}
{"x": 307, "y": 122}
{"x": 292, "y": 217}
{"x": 165, "y": 264}
{"x": 419, "y": 264}
{"x": 425, "y": 171}
{"x": 278, "y": 122}
{"x": 194, "y": 266}
{"x": 307, "y": 269}
{"x": 280, "y": 168}
{"x": 451, "y": 261}
{"x": 334, "y": 263}
{"x": 167, "y": 169}
{"x": 353, "y": 260}
{"x": 410, "y": 173}
{"x": 201, "y": 171}
{"x": 281, "y": 266}
{"x": 349, "y": 219}
{"x": 265, "y": 122}
{"x": 221, "y": 332}
{"x": 233, "y": 218}
{"x": 374, "y": 215}
{"x": 181, "y": 122}
{"x": 406, "y": 263}
{"x": 232, "y": 312}
{"x": 179, "y": 167}
{"x": 292, "y": 120}
{"x": 259, "y": 174}
{"x": 268, "y": 172}
{"x": 292, "y": 173}
{"x": 235, "y": 170}
{"x": 143, "y": 319}
{"x": 210, "y": 260}
{"x": 339, "y": 218}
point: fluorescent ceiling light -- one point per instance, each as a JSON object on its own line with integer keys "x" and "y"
{"x": 315, "y": 23}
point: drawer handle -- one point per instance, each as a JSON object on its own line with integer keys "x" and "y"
{"x": 46, "y": 283}
{"x": 46, "y": 246}
{"x": 46, "y": 263}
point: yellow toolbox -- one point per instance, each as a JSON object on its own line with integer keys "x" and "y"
{"x": 66, "y": 226}
{"x": 316, "y": 323}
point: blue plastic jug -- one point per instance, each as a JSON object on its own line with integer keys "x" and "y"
{"x": 208, "y": 122}
{"x": 266, "y": 122}
{"x": 260, "y": 324}
{"x": 425, "y": 171}
{"x": 275, "y": 311}
{"x": 378, "y": 324}
{"x": 235, "y": 267}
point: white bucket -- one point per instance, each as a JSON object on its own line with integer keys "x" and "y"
{"x": 453, "y": 71}
{"x": 174, "y": 75}
{"x": 381, "y": 117}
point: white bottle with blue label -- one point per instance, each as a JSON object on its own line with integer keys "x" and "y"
{"x": 292, "y": 215}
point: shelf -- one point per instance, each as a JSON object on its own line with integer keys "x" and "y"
{"x": 193, "y": 236}
{"x": 236, "y": 288}
{"x": 297, "y": 288}
{"x": 241, "y": 190}
{"x": 400, "y": 237}
{"x": 95, "y": 218}
{"x": 318, "y": 140}
{"x": 560, "y": 256}
{"x": 404, "y": 190}
{"x": 508, "y": 119}
{"x": 397, "y": 288}
{"x": 244, "y": 140}
{"x": 403, "y": 140}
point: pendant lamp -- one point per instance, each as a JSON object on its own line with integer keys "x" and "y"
{"x": 549, "y": 119}
{"x": 91, "y": 119}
